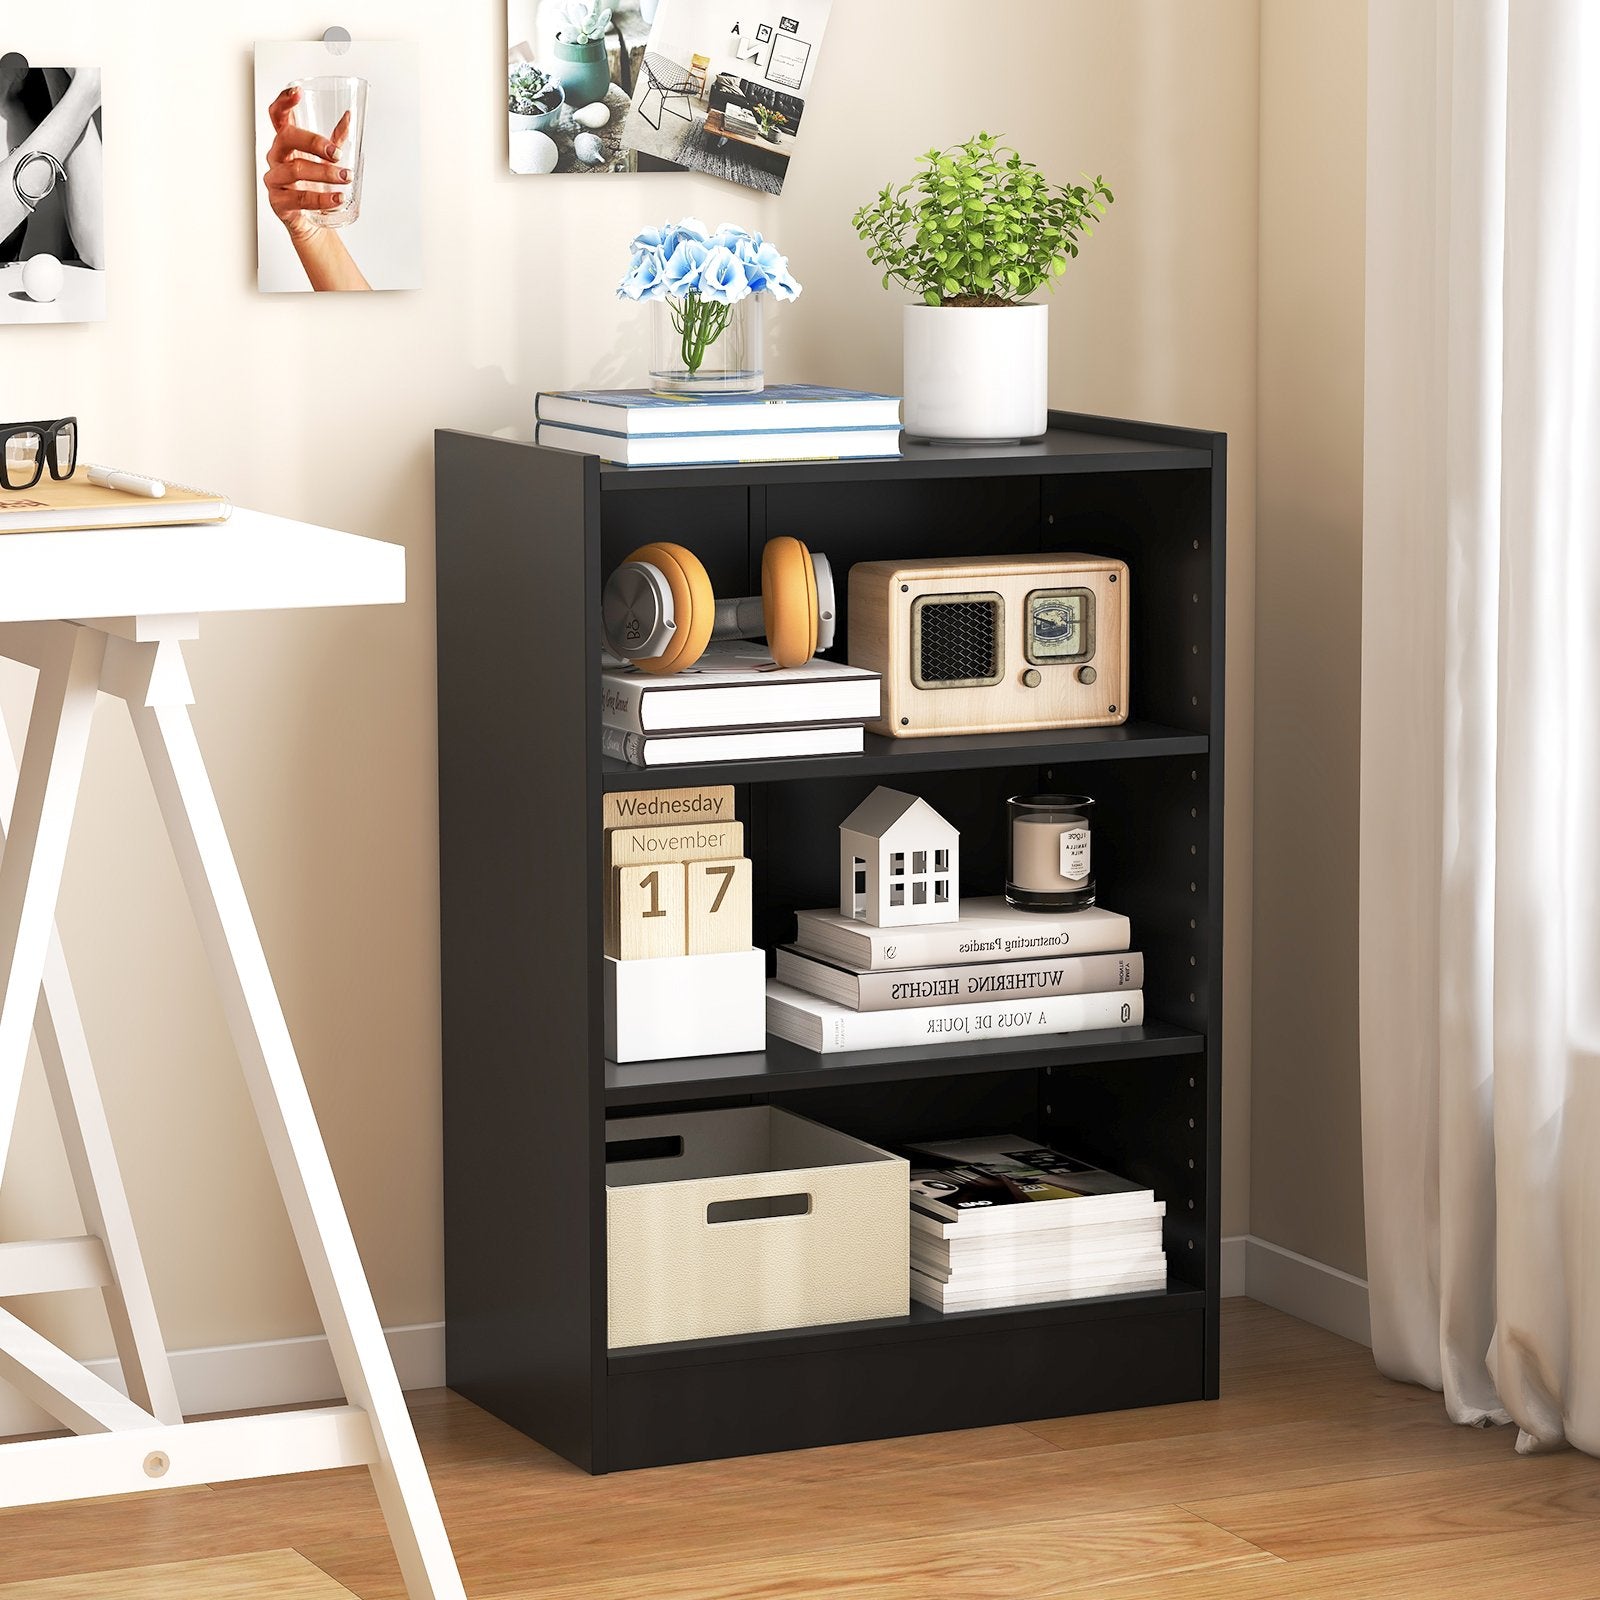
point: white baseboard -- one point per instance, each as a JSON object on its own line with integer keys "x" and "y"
{"x": 243, "y": 1377}
{"x": 1310, "y": 1290}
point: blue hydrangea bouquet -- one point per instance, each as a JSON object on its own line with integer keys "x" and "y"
{"x": 708, "y": 281}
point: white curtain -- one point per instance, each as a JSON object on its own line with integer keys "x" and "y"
{"x": 1480, "y": 745}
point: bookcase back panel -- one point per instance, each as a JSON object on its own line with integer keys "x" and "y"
{"x": 1151, "y": 849}
{"x": 712, "y": 522}
{"x": 1148, "y": 1121}
{"x": 884, "y": 1114}
{"x": 944, "y": 518}
{"x": 1160, "y": 524}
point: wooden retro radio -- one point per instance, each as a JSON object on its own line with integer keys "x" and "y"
{"x": 993, "y": 644}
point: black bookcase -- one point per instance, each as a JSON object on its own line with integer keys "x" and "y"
{"x": 525, "y": 538}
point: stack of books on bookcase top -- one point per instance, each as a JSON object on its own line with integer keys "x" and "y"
{"x": 993, "y": 972}
{"x": 733, "y": 704}
{"x": 784, "y": 422}
{"x": 1002, "y": 1221}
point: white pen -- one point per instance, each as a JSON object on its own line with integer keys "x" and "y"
{"x": 128, "y": 482}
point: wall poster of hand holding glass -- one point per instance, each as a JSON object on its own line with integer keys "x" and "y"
{"x": 339, "y": 205}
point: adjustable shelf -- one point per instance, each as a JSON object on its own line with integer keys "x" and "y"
{"x": 784, "y": 1066}
{"x": 894, "y": 760}
{"x": 525, "y": 538}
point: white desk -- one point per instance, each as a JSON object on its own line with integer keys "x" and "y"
{"x": 108, "y": 612}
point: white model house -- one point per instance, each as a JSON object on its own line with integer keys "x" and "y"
{"x": 899, "y": 862}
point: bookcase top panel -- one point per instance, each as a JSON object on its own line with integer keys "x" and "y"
{"x": 1061, "y": 450}
{"x": 1074, "y": 444}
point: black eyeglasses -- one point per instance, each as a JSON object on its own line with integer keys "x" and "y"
{"x": 26, "y": 448}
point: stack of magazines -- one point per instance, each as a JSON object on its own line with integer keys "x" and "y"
{"x": 783, "y": 422}
{"x": 993, "y": 972}
{"x": 733, "y": 704}
{"x": 1001, "y": 1221}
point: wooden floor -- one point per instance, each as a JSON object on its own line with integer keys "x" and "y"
{"x": 1312, "y": 1476}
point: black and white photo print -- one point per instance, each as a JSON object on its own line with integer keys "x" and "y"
{"x": 52, "y": 194}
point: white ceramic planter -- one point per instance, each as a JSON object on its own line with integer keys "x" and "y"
{"x": 976, "y": 374}
{"x": 523, "y": 122}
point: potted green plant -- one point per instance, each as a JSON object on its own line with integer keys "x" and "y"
{"x": 771, "y": 122}
{"x": 974, "y": 233}
{"x": 534, "y": 97}
{"x": 580, "y": 52}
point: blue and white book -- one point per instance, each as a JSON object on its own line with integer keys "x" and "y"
{"x": 786, "y": 407}
{"x": 724, "y": 449}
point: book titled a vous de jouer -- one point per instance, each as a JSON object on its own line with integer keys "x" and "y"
{"x": 820, "y": 1025}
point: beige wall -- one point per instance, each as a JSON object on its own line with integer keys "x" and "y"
{"x": 1305, "y": 1183}
{"x": 320, "y": 728}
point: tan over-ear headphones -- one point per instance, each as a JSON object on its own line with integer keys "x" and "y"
{"x": 658, "y": 610}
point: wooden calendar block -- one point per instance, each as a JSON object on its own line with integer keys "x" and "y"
{"x": 719, "y": 906}
{"x": 653, "y": 808}
{"x": 650, "y": 917}
{"x": 686, "y": 841}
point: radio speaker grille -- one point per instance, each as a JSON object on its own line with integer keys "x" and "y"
{"x": 957, "y": 640}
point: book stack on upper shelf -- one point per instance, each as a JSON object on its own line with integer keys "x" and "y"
{"x": 785, "y": 422}
{"x": 905, "y": 961}
{"x": 733, "y": 704}
{"x": 1002, "y": 1221}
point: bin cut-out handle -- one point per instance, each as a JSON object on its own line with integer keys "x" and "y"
{"x": 759, "y": 1208}
{"x": 663, "y": 1147}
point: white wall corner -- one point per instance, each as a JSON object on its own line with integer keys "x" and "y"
{"x": 1235, "y": 1252}
{"x": 246, "y": 1377}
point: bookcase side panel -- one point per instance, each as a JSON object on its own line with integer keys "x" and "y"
{"x": 518, "y": 603}
{"x": 1214, "y": 918}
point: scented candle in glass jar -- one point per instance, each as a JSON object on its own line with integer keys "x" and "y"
{"x": 1050, "y": 857}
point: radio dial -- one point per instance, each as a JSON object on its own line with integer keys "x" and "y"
{"x": 1087, "y": 674}
{"x": 1031, "y": 677}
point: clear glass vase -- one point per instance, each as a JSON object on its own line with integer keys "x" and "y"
{"x": 702, "y": 347}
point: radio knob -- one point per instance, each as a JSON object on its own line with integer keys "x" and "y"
{"x": 1087, "y": 674}
{"x": 1031, "y": 678}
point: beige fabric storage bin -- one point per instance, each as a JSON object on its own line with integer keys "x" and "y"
{"x": 749, "y": 1219}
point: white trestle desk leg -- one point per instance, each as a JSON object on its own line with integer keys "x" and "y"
{"x": 92, "y": 1159}
{"x": 36, "y": 848}
{"x": 294, "y": 1143}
